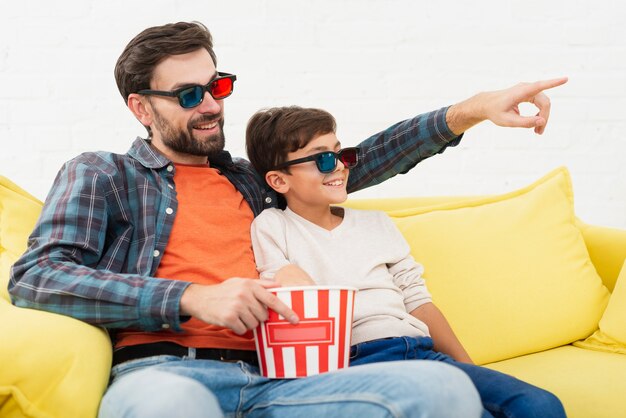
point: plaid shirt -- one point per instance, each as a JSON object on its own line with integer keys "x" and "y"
{"x": 108, "y": 217}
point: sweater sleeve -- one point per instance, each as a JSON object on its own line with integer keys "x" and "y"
{"x": 269, "y": 243}
{"x": 406, "y": 272}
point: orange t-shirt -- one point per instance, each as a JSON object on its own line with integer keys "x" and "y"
{"x": 209, "y": 243}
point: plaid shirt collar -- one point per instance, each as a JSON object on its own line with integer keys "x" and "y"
{"x": 147, "y": 155}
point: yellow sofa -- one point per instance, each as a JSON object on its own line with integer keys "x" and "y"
{"x": 525, "y": 284}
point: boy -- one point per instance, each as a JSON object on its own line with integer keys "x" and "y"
{"x": 297, "y": 152}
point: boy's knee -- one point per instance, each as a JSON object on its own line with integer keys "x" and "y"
{"x": 539, "y": 404}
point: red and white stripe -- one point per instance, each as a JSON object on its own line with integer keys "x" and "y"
{"x": 319, "y": 343}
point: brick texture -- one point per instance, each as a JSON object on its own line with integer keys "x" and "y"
{"x": 370, "y": 63}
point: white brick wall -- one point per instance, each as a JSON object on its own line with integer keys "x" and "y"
{"x": 369, "y": 62}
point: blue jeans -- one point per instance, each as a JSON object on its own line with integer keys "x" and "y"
{"x": 502, "y": 395}
{"x": 169, "y": 386}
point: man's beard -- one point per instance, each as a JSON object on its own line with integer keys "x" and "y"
{"x": 184, "y": 142}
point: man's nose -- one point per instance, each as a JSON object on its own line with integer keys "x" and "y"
{"x": 209, "y": 104}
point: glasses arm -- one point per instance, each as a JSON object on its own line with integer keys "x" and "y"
{"x": 159, "y": 93}
{"x": 296, "y": 161}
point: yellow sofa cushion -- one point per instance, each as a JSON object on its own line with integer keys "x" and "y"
{"x": 511, "y": 272}
{"x": 590, "y": 383}
{"x": 611, "y": 336}
{"x": 50, "y": 365}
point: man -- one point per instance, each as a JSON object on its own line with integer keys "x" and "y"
{"x": 155, "y": 246}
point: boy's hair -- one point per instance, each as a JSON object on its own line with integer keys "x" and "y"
{"x": 135, "y": 66}
{"x": 273, "y": 133}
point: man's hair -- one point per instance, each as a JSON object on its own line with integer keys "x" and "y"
{"x": 135, "y": 67}
{"x": 273, "y": 133}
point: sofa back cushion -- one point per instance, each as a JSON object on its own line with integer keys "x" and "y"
{"x": 611, "y": 336}
{"x": 511, "y": 273}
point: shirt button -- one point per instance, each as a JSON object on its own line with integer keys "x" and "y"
{"x": 169, "y": 211}
{"x": 165, "y": 326}
{"x": 170, "y": 168}
{"x": 156, "y": 253}
{"x": 268, "y": 200}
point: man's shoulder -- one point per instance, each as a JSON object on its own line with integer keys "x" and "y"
{"x": 104, "y": 162}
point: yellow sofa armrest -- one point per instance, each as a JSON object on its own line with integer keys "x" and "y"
{"x": 50, "y": 365}
{"x": 607, "y": 249}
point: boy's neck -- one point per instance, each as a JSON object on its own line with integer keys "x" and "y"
{"x": 320, "y": 216}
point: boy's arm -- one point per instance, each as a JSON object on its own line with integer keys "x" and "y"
{"x": 407, "y": 275}
{"x": 444, "y": 339}
{"x": 293, "y": 275}
{"x": 270, "y": 250}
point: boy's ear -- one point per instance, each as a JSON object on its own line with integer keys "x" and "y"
{"x": 277, "y": 181}
{"x": 139, "y": 109}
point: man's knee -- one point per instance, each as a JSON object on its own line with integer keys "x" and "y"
{"x": 153, "y": 393}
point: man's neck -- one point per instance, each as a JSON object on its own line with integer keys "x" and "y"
{"x": 178, "y": 157}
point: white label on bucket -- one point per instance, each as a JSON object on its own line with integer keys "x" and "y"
{"x": 310, "y": 305}
{"x": 333, "y": 312}
{"x": 312, "y": 364}
{"x": 289, "y": 361}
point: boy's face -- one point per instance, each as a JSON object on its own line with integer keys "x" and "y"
{"x": 306, "y": 186}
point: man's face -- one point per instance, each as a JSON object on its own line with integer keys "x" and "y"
{"x": 186, "y": 135}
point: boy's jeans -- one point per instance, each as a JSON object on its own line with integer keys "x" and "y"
{"x": 502, "y": 395}
{"x": 169, "y": 386}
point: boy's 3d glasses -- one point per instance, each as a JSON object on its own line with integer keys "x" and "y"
{"x": 327, "y": 161}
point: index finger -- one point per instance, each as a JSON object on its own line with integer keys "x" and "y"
{"x": 539, "y": 86}
{"x": 272, "y": 302}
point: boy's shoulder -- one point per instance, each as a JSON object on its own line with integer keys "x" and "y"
{"x": 368, "y": 215}
{"x": 270, "y": 215}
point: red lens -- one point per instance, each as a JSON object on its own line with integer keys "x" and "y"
{"x": 349, "y": 157}
{"x": 221, "y": 88}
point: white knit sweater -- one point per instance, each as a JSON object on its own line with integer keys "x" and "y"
{"x": 365, "y": 251}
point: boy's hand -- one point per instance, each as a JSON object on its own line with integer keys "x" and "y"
{"x": 502, "y": 107}
{"x": 293, "y": 275}
{"x": 238, "y": 304}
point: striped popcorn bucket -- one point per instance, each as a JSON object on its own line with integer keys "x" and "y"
{"x": 319, "y": 343}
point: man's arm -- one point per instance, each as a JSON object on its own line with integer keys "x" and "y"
{"x": 501, "y": 107}
{"x": 400, "y": 147}
{"x": 64, "y": 271}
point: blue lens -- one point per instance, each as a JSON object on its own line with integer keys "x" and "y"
{"x": 326, "y": 162}
{"x": 191, "y": 97}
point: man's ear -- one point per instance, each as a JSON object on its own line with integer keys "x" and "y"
{"x": 136, "y": 104}
{"x": 277, "y": 181}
